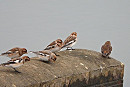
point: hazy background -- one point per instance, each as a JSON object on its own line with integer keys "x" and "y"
{"x": 35, "y": 23}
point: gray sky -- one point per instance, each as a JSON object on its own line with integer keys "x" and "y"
{"x": 36, "y": 23}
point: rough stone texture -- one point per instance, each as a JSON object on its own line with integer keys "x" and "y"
{"x": 77, "y": 68}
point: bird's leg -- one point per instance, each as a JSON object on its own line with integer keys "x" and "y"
{"x": 56, "y": 54}
{"x": 16, "y": 70}
{"x": 67, "y": 48}
{"x": 72, "y": 48}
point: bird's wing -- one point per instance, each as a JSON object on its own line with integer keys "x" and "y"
{"x": 4, "y": 64}
{"x": 69, "y": 40}
{"x": 44, "y": 53}
{"x": 110, "y": 48}
{"x": 35, "y": 52}
{"x": 16, "y": 60}
{"x": 12, "y": 61}
{"x": 13, "y": 50}
{"x": 9, "y": 52}
{"x": 52, "y": 45}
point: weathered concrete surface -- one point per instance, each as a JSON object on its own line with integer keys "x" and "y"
{"x": 77, "y": 68}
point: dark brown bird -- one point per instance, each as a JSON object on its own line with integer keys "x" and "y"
{"x": 106, "y": 49}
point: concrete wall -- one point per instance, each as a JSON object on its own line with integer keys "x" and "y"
{"x": 77, "y": 68}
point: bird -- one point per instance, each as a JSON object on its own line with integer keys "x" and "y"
{"x": 70, "y": 41}
{"x": 15, "y": 52}
{"x": 16, "y": 62}
{"x": 55, "y": 46}
{"x": 106, "y": 49}
{"x": 45, "y": 55}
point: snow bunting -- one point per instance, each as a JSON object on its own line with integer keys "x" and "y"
{"x": 55, "y": 46}
{"x": 106, "y": 49}
{"x": 45, "y": 55}
{"x": 70, "y": 41}
{"x": 14, "y": 52}
{"x": 16, "y": 62}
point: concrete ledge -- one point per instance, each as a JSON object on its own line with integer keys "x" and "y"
{"x": 77, "y": 68}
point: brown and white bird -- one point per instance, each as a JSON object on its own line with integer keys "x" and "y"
{"x": 45, "y": 55}
{"x": 16, "y": 62}
{"x": 15, "y": 52}
{"x": 70, "y": 41}
{"x": 106, "y": 49}
{"x": 55, "y": 46}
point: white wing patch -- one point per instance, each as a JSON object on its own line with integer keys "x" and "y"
{"x": 70, "y": 42}
{"x": 49, "y": 47}
{"x": 16, "y": 61}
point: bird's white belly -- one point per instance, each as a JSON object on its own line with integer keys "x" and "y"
{"x": 14, "y": 65}
{"x": 55, "y": 49}
{"x": 13, "y": 55}
{"x": 72, "y": 44}
{"x": 44, "y": 58}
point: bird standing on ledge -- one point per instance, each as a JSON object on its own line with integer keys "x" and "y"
{"x": 70, "y": 41}
{"x": 15, "y": 52}
{"x": 106, "y": 49}
{"x": 16, "y": 62}
{"x": 45, "y": 55}
{"x": 55, "y": 46}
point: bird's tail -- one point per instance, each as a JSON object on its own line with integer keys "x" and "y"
{"x": 2, "y": 54}
{"x": 63, "y": 46}
{"x": 2, "y": 64}
{"x": 33, "y": 52}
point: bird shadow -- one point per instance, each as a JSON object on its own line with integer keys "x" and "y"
{"x": 10, "y": 71}
{"x": 47, "y": 62}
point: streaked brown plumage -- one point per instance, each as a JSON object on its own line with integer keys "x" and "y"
{"x": 15, "y": 52}
{"x": 16, "y": 62}
{"x": 70, "y": 41}
{"x": 55, "y": 46}
{"x": 45, "y": 55}
{"x": 106, "y": 49}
